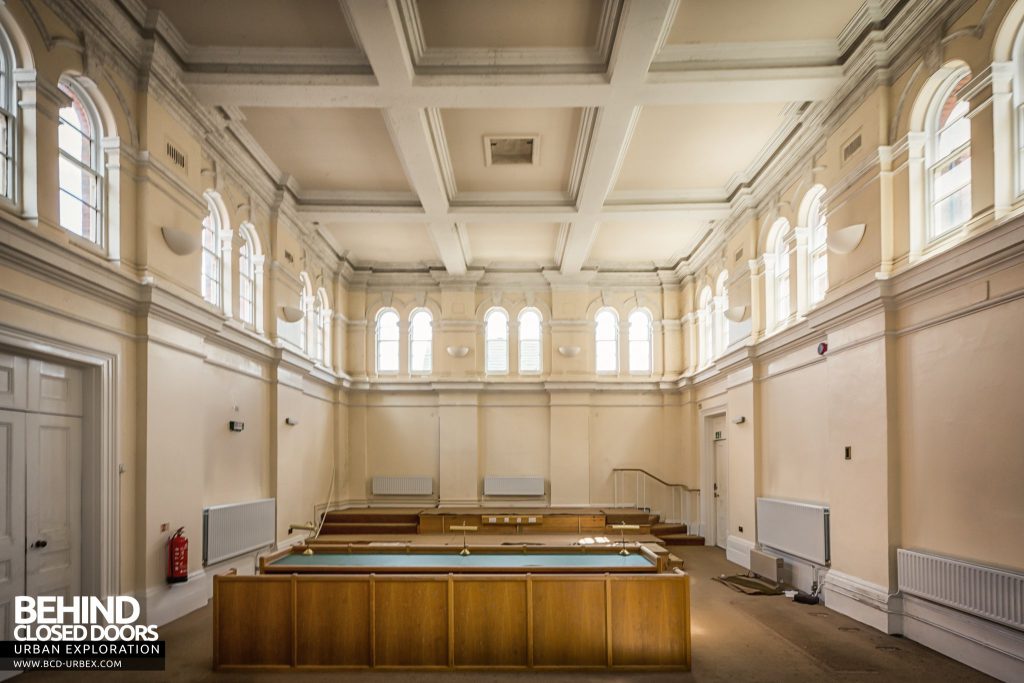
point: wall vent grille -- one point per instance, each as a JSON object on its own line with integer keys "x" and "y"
{"x": 176, "y": 156}
{"x": 500, "y": 150}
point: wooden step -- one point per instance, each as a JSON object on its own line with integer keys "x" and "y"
{"x": 369, "y": 528}
{"x": 682, "y": 539}
{"x": 373, "y": 516}
{"x": 631, "y": 517}
{"x": 662, "y": 528}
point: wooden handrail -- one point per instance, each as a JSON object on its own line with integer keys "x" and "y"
{"x": 654, "y": 477}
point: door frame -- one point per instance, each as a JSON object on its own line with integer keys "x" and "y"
{"x": 709, "y": 520}
{"x": 101, "y": 528}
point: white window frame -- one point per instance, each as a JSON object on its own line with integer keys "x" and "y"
{"x": 322, "y": 328}
{"x": 378, "y": 342}
{"x": 496, "y": 348}
{"x": 705, "y": 327}
{"x": 814, "y": 218}
{"x": 777, "y": 272}
{"x": 9, "y": 157}
{"x": 523, "y": 341}
{"x": 306, "y": 306}
{"x": 647, "y": 340}
{"x": 933, "y": 163}
{"x": 721, "y": 325}
{"x": 75, "y": 92}
{"x": 219, "y": 248}
{"x": 429, "y": 341}
{"x": 614, "y": 341}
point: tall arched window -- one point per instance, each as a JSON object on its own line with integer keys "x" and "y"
{"x": 387, "y": 341}
{"x": 529, "y": 341}
{"x": 817, "y": 244}
{"x": 948, "y": 157}
{"x": 705, "y": 327}
{"x": 721, "y": 325}
{"x": 247, "y": 280}
{"x": 81, "y": 164}
{"x": 421, "y": 342}
{"x": 321, "y": 327}
{"x": 777, "y": 260}
{"x": 306, "y": 306}
{"x": 641, "y": 342}
{"x": 8, "y": 122}
{"x": 606, "y": 341}
{"x": 213, "y": 264}
{"x": 496, "y": 342}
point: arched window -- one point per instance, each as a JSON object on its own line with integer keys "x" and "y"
{"x": 247, "y": 280}
{"x": 213, "y": 264}
{"x": 81, "y": 164}
{"x": 321, "y": 328}
{"x": 641, "y": 342}
{"x": 421, "y": 342}
{"x": 777, "y": 260}
{"x": 8, "y": 122}
{"x": 387, "y": 341}
{"x": 705, "y": 329}
{"x": 606, "y": 341}
{"x": 529, "y": 341}
{"x": 817, "y": 245}
{"x": 306, "y": 306}
{"x": 496, "y": 342}
{"x": 948, "y": 157}
{"x": 721, "y": 325}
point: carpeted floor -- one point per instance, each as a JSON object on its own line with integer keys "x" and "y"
{"x": 735, "y": 638}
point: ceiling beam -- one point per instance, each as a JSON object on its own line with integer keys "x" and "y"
{"x": 379, "y": 29}
{"x": 642, "y": 28}
{"x": 780, "y": 84}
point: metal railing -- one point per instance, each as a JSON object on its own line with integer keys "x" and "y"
{"x": 638, "y": 488}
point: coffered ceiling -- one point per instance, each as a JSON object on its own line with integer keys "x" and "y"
{"x": 645, "y": 117}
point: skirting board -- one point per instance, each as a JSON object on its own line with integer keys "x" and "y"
{"x": 990, "y": 648}
{"x": 737, "y": 551}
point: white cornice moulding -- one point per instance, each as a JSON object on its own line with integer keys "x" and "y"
{"x": 458, "y": 351}
{"x": 736, "y": 314}
{"x": 291, "y": 314}
{"x": 180, "y": 242}
{"x": 846, "y": 240}
{"x": 569, "y": 351}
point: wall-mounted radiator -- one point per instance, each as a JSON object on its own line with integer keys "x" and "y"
{"x": 236, "y": 529}
{"x": 402, "y": 486}
{"x": 513, "y": 486}
{"x": 799, "y": 529}
{"x": 993, "y": 594}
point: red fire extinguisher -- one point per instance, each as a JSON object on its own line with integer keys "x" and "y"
{"x": 177, "y": 557}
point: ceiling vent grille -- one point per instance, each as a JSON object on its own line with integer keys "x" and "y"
{"x": 500, "y": 150}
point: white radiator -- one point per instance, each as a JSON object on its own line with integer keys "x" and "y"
{"x": 993, "y": 594}
{"x": 796, "y": 528}
{"x": 236, "y": 529}
{"x": 513, "y": 486}
{"x": 402, "y": 486}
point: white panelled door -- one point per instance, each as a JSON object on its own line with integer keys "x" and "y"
{"x": 53, "y": 511}
{"x": 721, "y": 493}
{"x": 12, "y": 516}
{"x": 40, "y": 482}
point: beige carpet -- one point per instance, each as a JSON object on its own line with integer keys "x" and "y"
{"x": 736, "y": 637}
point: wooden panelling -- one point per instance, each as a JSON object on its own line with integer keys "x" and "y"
{"x": 569, "y": 622}
{"x": 333, "y": 624}
{"x": 441, "y": 621}
{"x": 253, "y": 624}
{"x": 411, "y": 622}
{"x": 490, "y": 622}
{"x": 649, "y": 622}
